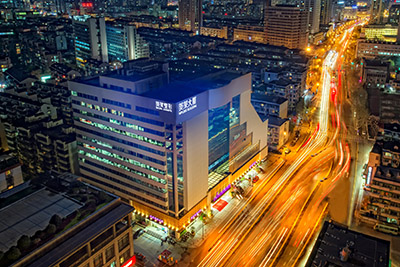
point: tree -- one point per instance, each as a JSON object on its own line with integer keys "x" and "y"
{"x": 13, "y": 253}
{"x": 36, "y": 241}
{"x": 51, "y": 229}
{"x": 39, "y": 234}
{"x": 359, "y": 99}
{"x": 1, "y": 255}
{"x": 102, "y": 196}
{"x": 23, "y": 242}
{"x": 56, "y": 220}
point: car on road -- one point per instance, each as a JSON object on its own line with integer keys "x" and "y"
{"x": 138, "y": 233}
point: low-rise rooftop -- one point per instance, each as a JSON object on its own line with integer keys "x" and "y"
{"x": 269, "y": 98}
{"x": 340, "y": 247}
{"x": 44, "y": 213}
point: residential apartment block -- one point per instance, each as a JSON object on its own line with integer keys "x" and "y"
{"x": 286, "y": 26}
{"x": 275, "y": 110}
{"x": 381, "y": 203}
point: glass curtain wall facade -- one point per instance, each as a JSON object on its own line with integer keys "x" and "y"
{"x": 227, "y": 139}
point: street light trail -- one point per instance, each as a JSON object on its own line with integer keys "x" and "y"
{"x": 282, "y": 201}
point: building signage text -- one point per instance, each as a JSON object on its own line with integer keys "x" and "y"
{"x": 187, "y": 105}
{"x": 163, "y": 106}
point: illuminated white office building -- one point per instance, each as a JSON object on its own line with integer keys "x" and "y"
{"x": 167, "y": 148}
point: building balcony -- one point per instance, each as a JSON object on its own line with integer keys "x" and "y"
{"x": 386, "y": 189}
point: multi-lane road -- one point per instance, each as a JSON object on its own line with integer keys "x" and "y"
{"x": 274, "y": 226}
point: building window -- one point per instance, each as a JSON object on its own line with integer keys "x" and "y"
{"x": 122, "y": 132}
{"x": 116, "y": 103}
{"x": 124, "y": 257}
{"x": 121, "y": 166}
{"x": 110, "y": 253}
{"x": 90, "y": 97}
{"x": 123, "y": 242}
{"x": 119, "y": 113}
{"x": 144, "y": 148}
{"x": 148, "y": 111}
{"x": 98, "y": 260}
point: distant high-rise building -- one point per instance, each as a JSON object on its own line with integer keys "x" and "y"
{"x": 61, "y": 7}
{"x": 286, "y": 26}
{"x": 376, "y": 10}
{"x": 337, "y": 9}
{"x": 90, "y": 39}
{"x": 394, "y": 14}
{"x": 190, "y": 15}
{"x": 124, "y": 43}
{"x": 312, "y": 8}
{"x": 326, "y": 12}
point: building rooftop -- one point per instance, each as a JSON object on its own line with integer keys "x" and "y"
{"x": 92, "y": 230}
{"x": 177, "y": 91}
{"x": 61, "y": 68}
{"x": 377, "y": 148}
{"x": 392, "y": 146}
{"x": 393, "y": 127}
{"x": 387, "y": 173}
{"x": 375, "y": 63}
{"x": 274, "y": 120}
{"x": 18, "y": 74}
{"x": 30, "y": 212}
{"x": 269, "y": 98}
{"x": 7, "y": 161}
{"x": 134, "y": 78}
{"x": 363, "y": 250}
{"x": 282, "y": 82}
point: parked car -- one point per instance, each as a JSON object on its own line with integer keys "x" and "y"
{"x": 138, "y": 233}
{"x": 255, "y": 179}
{"x": 140, "y": 256}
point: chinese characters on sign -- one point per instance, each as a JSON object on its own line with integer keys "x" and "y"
{"x": 187, "y": 105}
{"x": 163, "y": 106}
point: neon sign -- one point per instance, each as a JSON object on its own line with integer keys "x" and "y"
{"x": 160, "y": 221}
{"x": 130, "y": 262}
{"x": 369, "y": 175}
{"x": 88, "y": 4}
{"x": 187, "y": 105}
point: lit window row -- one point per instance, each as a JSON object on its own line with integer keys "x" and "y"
{"x": 125, "y": 185}
{"x": 104, "y": 144}
{"x": 138, "y": 181}
{"x": 112, "y": 129}
{"x": 121, "y": 141}
{"x": 109, "y": 162}
{"x": 116, "y": 156}
{"x": 125, "y": 192}
{"x": 120, "y": 123}
{"x": 119, "y": 113}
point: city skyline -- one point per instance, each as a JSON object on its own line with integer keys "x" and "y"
{"x": 199, "y": 133}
